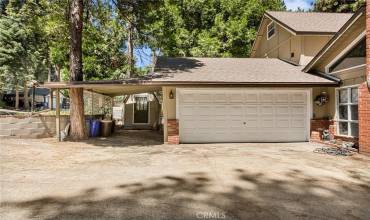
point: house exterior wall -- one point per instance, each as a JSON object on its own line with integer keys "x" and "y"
{"x": 354, "y": 76}
{"x": 129, "y": 116}
{"x": 169, "y": 112}
{"x": 285, "y": 44}
{"x": 326, "y": 111}
{"x": 347, "y": 38}
{"x": 364, "y": 94}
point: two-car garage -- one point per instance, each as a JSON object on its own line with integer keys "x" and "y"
{"x": 243, "y": 115}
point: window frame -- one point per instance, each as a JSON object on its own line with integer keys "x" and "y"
{"x": 349, "y": 103}
{"x": 272, "y": 23}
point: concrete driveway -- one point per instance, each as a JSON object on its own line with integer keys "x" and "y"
{"x": 133, "y": 176}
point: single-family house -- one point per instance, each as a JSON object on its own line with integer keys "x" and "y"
{"x": 307, "y": 73}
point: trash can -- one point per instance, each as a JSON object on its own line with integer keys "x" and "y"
{"x": 106, "y": 128}
{"x": 88, "y": 127}
{"x": 95, "y": 128}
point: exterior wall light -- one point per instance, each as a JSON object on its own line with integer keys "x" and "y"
{"x": 322, "y": 99}
{"x": 171, "y": 96}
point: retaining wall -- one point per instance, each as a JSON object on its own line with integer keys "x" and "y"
{"x": 30, "y": 127}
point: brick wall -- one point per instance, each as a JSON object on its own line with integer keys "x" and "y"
{"x": 317, "y": 128}
{"x": 319, "y": 125}
{"x": 364, "y": 118}
{"x": 364, "y": 94}
{"x": 173, "y": 131}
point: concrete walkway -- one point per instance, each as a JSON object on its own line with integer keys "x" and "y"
{"x": 133, "y": 176}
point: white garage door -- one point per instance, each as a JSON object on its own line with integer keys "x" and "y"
{"x": 242, "y": 115}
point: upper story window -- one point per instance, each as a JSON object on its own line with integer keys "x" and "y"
{"x": 271, "y": 30}
{"x": 355, "y": 57}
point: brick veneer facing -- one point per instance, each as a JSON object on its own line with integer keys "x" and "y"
{"x": 173, "y": 131}
{"x": 319, "y": 125}
{"x": 317, "y": 128}
{"x": 364, "y": 95}
{"x": 364, "y": 118}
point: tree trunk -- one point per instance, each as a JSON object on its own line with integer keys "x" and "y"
{"x": 130, "y": 50}
{"x": 75, "y": 59}
{"x": 26, "y": 100}
{"x": 16, "y": 96}
{"x": 50, "y": 90}
{"x": 77, "y": 115}
{"x": 154, "y": 60}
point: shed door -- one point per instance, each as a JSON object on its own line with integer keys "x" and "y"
{"x": 243, "y": 115}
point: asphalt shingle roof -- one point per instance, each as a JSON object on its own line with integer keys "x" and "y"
{"x": 233, "y": 70}
{"x": 311, "y": 21}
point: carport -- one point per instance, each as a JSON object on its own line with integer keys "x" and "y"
{"x": 110, "y": 88}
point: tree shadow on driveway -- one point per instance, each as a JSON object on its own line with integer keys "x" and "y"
{"x": 197, "y": 196}
{"x": 128, "y": 138}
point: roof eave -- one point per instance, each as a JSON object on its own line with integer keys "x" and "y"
{"x": 92, "y": 84}
{"x": 331, "y": 42}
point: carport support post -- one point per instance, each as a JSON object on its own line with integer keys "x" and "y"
{"x": 57, "y": 114}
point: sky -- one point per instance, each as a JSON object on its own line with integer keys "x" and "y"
{"x": 143, "y": 57}
{"x": 294, "y": 4}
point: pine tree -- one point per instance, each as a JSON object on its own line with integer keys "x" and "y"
{"x": 338, "y": 5}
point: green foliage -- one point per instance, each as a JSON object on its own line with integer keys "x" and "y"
{"x": 34, "y": 34}
{"x": 103, "y": 41}
{"x": 338, "y": 5}
{"x": 22, "y": 44}
{"x": 211, "y": 28}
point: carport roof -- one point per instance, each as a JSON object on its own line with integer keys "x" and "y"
{"x": 206, "y": 72}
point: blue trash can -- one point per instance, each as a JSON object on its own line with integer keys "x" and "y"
{"x": 95, "y": 128}
{"x": 88, "y": 127}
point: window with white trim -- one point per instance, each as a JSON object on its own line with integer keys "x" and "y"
{"x": 271, "y": 30}
{"x": 347, "y": 109}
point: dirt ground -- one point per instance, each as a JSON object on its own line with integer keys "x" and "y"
{"x": 134, "y": 176}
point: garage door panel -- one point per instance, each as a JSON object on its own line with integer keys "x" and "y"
{"x": 251, "y": 123}
{"x": 298, "y": 98}
{"x": 251, "y": 110}
{"x": 251, "y": 97}
{"x": 298, "y": 110}
{"x": 236, "y": 98}
{"x": 220, "y": 98}
{"x": 282, "y": 122}
{"x": 249, "y": 115}
{"x": 266, "y": 98}
{"x": 282, "y": 98}
{"x": 267, "y": 123}
{"x": 298, "y": 123}
{"x": 282, "y": 110}
{"x": 266, "y": 110}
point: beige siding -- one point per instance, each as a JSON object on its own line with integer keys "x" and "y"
{"x": 326, "y": 111}
{"x": 311, "y": 45}
{"x": 352, "y": 77}
{"x": 349, "y": 78}
{"x": 347, "y": 38}
{"x": 284, "y": 44}
{"x": 168, "y": 107}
